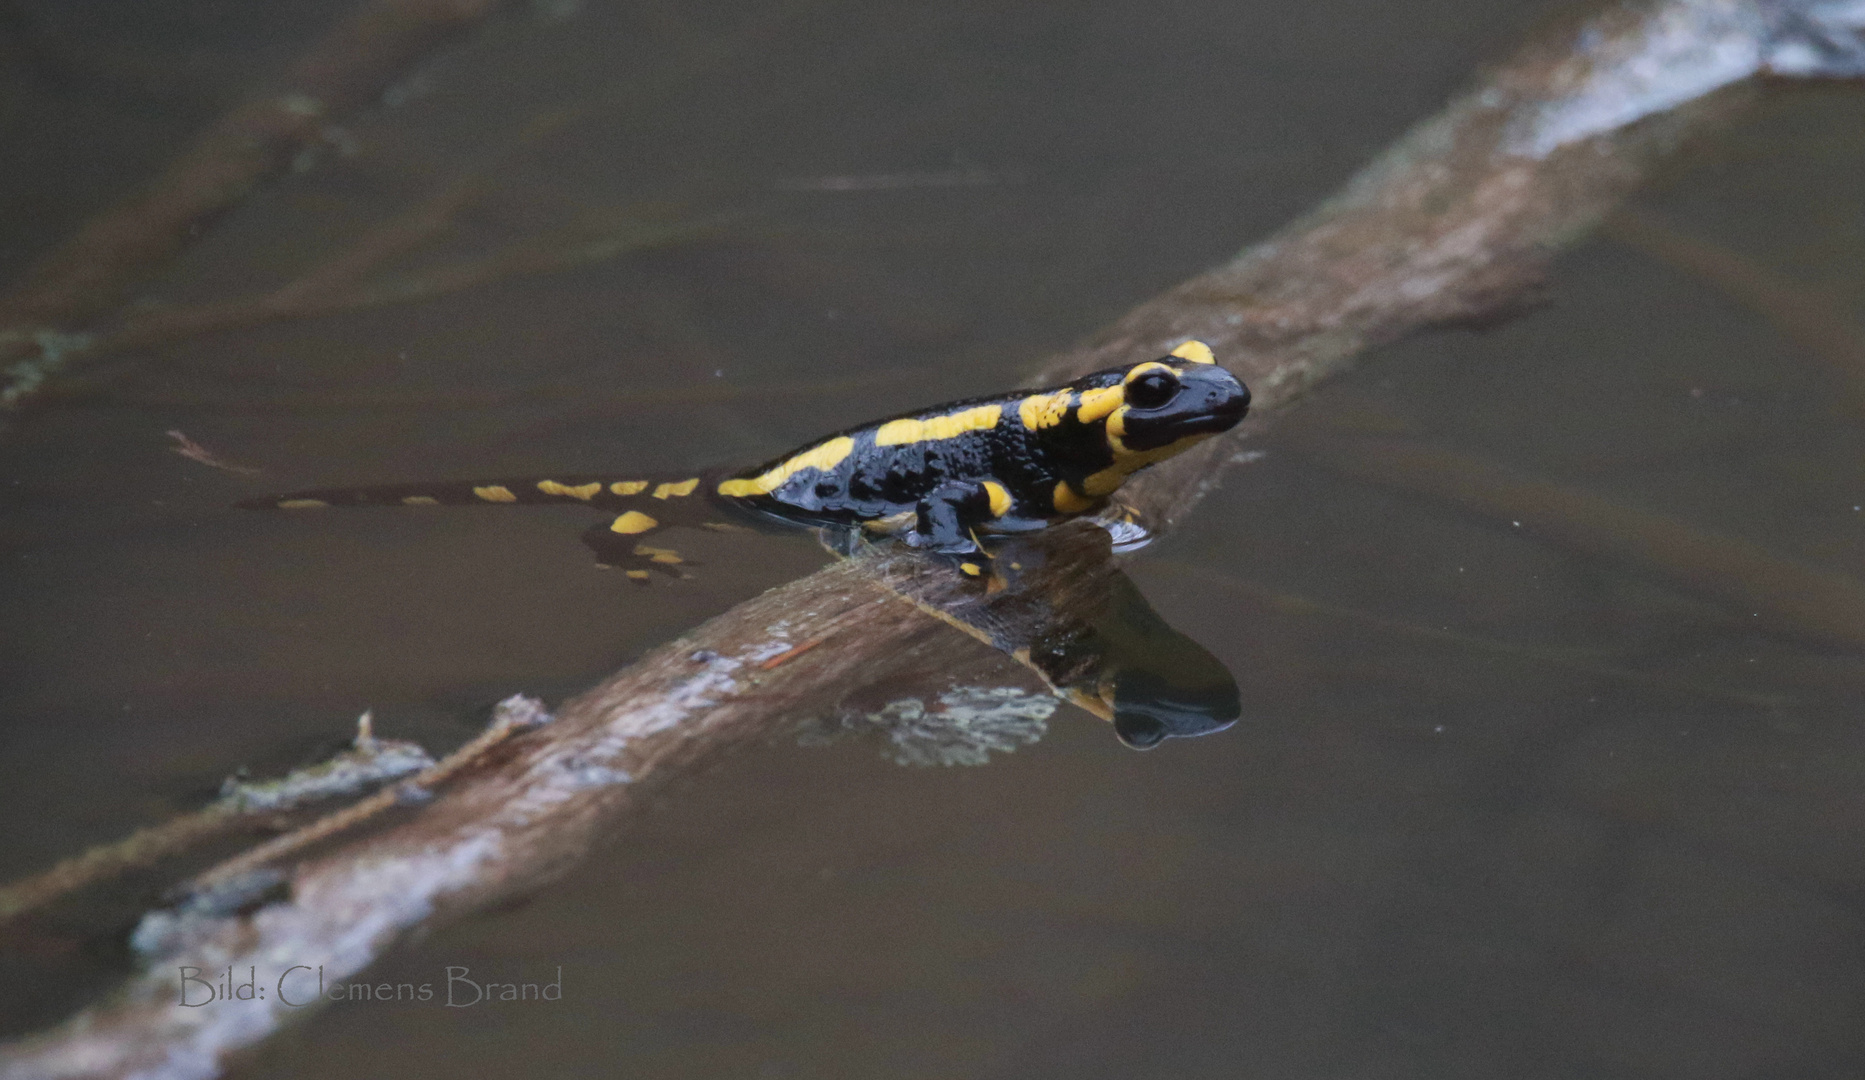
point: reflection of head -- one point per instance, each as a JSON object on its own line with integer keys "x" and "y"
{"x": 1130, "y": 666}
{"x": 1150, "y": 708}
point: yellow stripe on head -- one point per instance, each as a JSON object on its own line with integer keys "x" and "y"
{"x": 1195, "y": 351}
{"x": 1096, "y": 404}
{"x": 632, "y": 522}
{"x": 495, "y": 493}
{"x": 1151, "y": 365}
{"x": 1128, "y": 462}
{"x": 823, "y": 456}
{"x": 949, "y": 426}
{"x": 584, "y": 492}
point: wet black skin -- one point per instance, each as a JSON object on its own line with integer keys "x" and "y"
{"x": 936, "y": 487}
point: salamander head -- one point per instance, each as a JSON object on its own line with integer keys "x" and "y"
{"x": 1175, "y": 403}
{"x": 1159, "y": 408}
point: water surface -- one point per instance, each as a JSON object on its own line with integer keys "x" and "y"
{"x": 1495, "y": 807}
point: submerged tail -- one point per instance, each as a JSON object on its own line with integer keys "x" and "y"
{"x": 600, "y": 492}
{"x": 641, "y": 507}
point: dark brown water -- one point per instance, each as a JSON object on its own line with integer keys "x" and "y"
{"x": 1496, "y": 808}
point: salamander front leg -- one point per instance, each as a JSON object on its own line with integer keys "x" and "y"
{"x": 948, "y": 515}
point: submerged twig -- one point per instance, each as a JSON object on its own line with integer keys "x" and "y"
{"x": 513, "y": 715}
{"x": 1295, "y": 604}
{"x": 1800, "y": 313}
{"x": 85, "y": 277}
{"x": 692, "y": 395}
{"x": 1455, "y": 222}
{"x": 29, "y": 320}
{"x": 966, "y": 177}
{"x": 331, "y": 288}
{"x": 1783, "y": 594}
{"x": 367, "y": 762}
{"x": 194, "y": 451}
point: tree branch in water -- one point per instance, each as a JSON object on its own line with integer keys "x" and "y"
{"x": 88, "y": 274}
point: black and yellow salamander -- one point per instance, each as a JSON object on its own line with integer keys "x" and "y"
{"x": 937, "y": 478}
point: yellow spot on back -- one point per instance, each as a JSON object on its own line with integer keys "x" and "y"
{"x": 684, "y": 487}
{"x": 638, "y": 575}
{"x": 1195, "y": 351}
{"x": 824, "y": 456}
{"x": 1067, "y": 502}
{"x": 419, "y": 500}
{"x": 495, "y": 493}
{"x": 970, "y": 568}
{"x": 949, "y": 426}
{"x": 1000, "y": 499}
{"x": 632, "y": 522}
{"x": 1039, "y": 411}
{"x": 581, "y": 491}
{"x": 302, "y": 504}
{"x": 629, "y": 487}
{"x": 664, "y": 556}
{"x": 1098, "y": 403}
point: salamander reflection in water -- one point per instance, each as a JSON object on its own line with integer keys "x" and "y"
{"x": 1058, "y": 602}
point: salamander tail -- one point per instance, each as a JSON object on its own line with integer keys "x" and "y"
{"x": 640, "y": 507}
{"x": 599, "y": 492}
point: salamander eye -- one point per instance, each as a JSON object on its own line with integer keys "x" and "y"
{"x": 1153, "y": 389}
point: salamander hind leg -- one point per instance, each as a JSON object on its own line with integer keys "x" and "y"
{"x": 621, "y": 544}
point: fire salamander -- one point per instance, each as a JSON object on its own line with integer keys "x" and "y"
{"x": 937, "y": 478}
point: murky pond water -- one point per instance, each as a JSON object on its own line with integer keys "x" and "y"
{"x": 1497, "y": 806}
